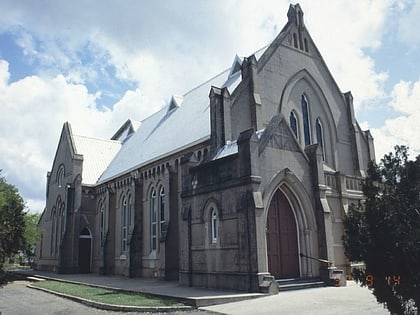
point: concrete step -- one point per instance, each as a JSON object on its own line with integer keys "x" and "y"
{"x": 299, "y": 283}
{"x": 32, "y": 278}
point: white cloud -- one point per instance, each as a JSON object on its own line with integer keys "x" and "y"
{"x": 404, "y": 129}
{"x": 410, "y": 23}
{"x": 342, "y": 32}
{"x": 33, "y": 111}
{"x": 4, "y": 74}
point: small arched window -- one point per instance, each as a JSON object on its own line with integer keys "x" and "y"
{"x": 62, "y": 219}
{"x": 320, "y": 136}
{"x": 162, "y": 211}
{"x": 295, "y": 42}
{"x": 294, "y": 123}
{"x": 153, "y": 220}
{"x": 130, "y": 214}
{"x": 214, "y": 225}
{"x": 60, "y": 176}
{"x": 102, "y": 221}
{"x": 53, "y": 231}
{"x": 306, "y": 125}
{"x": 124, "y": 230}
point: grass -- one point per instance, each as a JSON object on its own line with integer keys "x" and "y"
{"x": 105, "y": 295}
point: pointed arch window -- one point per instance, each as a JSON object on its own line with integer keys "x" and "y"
{"x": 60, "y": 176}
{"x": 53, "y": 231}
{"x": 102, "y": 222}
{"x": 294, "y": 123}
{"x": 320, "y": 136}
{"x": 124, "y": 230}
{"x": 162, "y": 211}
{"x": 295, "y": 42}
{"x": 130, "y": 214}
{"x": 153, "y": 220}
{"x": 62, "y": 220}
{"x": 214, "y": 225}
{"x": 306, "y": 125}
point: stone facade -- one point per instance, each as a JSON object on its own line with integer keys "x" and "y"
{"x": 261, "y": 195}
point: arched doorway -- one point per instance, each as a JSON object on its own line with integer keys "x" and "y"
{"x": 85, "y": 251}
{"x": 282, "y": 239}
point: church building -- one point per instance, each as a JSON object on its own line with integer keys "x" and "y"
{"x": 245, "y": 178}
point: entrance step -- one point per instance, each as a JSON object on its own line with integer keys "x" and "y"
{"x": 299, "y": 283}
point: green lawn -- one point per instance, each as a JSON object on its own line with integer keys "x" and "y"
{"x": 105, "y": 295}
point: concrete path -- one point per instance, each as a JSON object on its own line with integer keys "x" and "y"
{"x": 351, "y": 299}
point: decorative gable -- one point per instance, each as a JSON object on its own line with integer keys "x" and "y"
{"x": 126, "y": 130}
{"x": 278, "y": 135}
{"x": 176, "y": 101}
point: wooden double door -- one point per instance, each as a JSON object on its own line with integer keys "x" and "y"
{"x": 282, "y": 239}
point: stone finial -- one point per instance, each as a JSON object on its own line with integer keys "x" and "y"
{"x": 295, "y": 15}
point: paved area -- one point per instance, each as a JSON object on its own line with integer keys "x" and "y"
{"x": 351, "y": 299}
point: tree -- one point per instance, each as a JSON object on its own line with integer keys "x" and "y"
{"x": 384, "y": 232}
{"x": 31, "y": 235}
{"x": 12, "y": 224}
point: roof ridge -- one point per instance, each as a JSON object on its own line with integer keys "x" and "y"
{"x": 206, "y": 82}
{"x": 96, "y": 138}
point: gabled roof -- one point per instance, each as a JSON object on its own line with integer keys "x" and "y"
{"x": 126, "y": 130}
{"x": 170, "y": 130}
{"x": 97, "y": 154}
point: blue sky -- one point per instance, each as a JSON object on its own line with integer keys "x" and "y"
{"x": 97, "y": 63}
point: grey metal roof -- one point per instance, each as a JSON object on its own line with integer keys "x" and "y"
{"x": 171, "y": 129}
{"x": 97, "y": 154}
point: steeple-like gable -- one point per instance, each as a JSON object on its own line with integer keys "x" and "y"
{"x": 293, "y": 35}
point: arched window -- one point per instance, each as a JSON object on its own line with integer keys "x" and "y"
{"x": 60, "y": 176}
{"x": 295, "y": 42}
{"x": 102, "y": 221}
{"x": 53, "y": 231}
{"x": 294, "y": 123}
{"x": 153, "y": 220}
{"x": 320, "y": 136}
{"x": 62, "y": 220}
{"x": 305, "y": 115}
{"x": 130, "y": 213}
{"x": 124, "y": 230}
{"x": 162, "y": 211}
{"x": 214, "y": 225}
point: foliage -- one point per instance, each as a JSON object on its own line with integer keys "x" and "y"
{"x": 384, "y": 232}
{"x": 12, "y": 224}
{"x": 103, "y": 295}
{"x": 31, "y": 235}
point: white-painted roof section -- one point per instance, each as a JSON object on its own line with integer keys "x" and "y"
{"x": 136, "y": 124}
{"x": 97, "y": 154}
{"x": 167, "y": 132}
{"x": 230, "y": 148}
